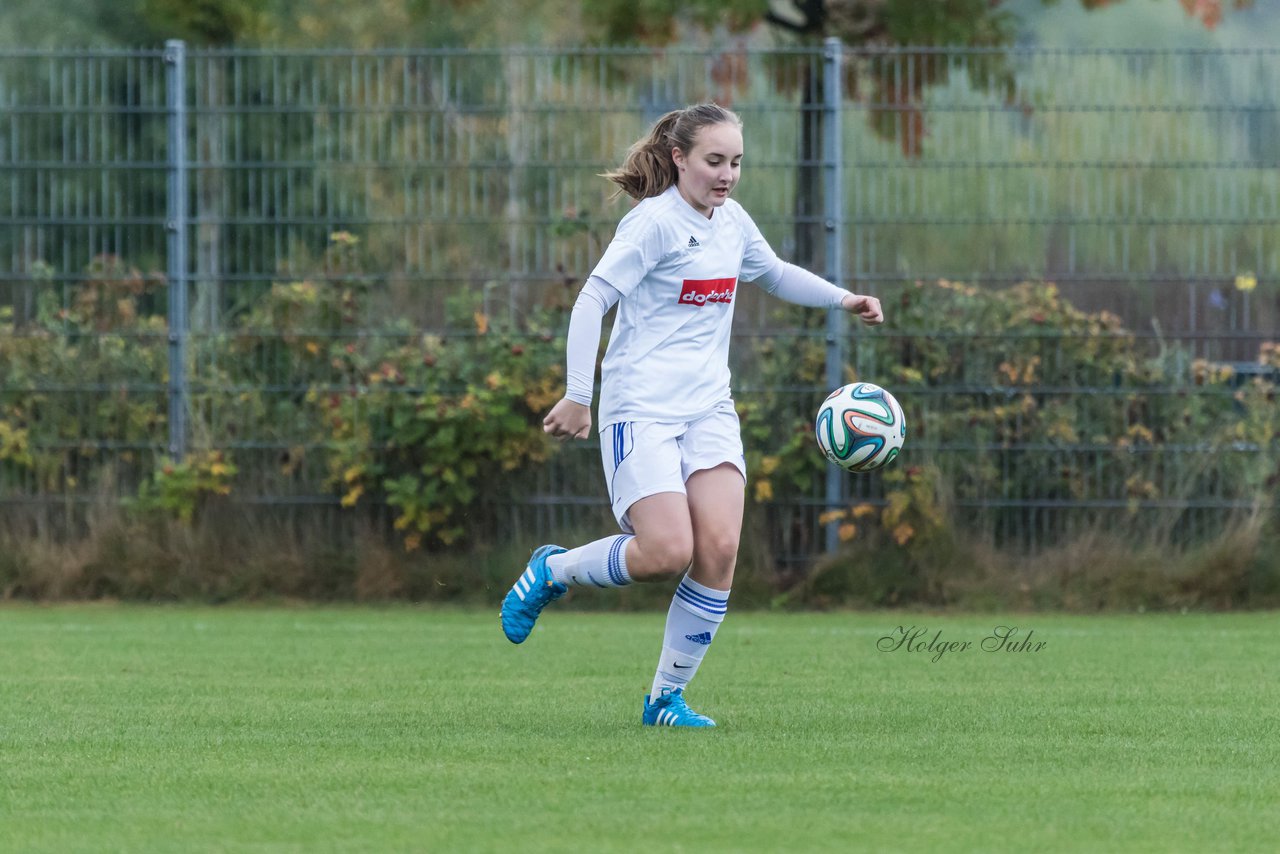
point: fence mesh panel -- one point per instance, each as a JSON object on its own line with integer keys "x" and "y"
{"x": 1143, "y": 183}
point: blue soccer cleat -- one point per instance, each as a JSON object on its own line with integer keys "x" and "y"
{"x": 529, "y": 595}
{"x": 670, "y": 709}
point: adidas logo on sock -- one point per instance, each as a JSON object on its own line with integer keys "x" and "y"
{"x": 703, "y": 638}
{"x": 693, "y": 241}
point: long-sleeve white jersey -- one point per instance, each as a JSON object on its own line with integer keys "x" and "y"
{"x": 677, "y": 272}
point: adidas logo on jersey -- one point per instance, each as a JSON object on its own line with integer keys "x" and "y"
{"x": 693, "y": 241}
{"x": 703, "y": 638}
{"x": 703, "y": 291}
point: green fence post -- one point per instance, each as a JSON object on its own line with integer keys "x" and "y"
{"x": 175, "y": 58}
{"x": 833, "y": 214}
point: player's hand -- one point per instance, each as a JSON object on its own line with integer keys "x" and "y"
{"x": 568, "y": 420}
{"x": 867, "y": 308}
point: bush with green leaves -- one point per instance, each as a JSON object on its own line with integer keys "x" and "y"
{"x": 436, "y": 426}
{"x": 1017, "y": 403}
{"x": 89, "y": 364}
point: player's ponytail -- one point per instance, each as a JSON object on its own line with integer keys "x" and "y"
{"x": 648, "y": 169}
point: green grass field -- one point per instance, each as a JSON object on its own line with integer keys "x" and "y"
{"x": 202, "y": 729}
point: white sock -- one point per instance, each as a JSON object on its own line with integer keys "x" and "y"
{"x": 695, "y": 614}
{"x": 602, "y": 563}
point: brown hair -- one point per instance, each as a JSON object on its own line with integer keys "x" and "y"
{"x": 648, "y": 169}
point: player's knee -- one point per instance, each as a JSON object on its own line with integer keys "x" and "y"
{"x": 719, "y": 550}
{"x": 670, "y": 556}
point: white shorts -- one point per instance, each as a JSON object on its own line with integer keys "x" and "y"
{"x": 643, "y": 458}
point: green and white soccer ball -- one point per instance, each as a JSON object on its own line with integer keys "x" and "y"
{"x": 860, "y": 427}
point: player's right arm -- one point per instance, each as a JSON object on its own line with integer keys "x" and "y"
{"x": 571, "y": 417}
{"x": 568, "y": 419}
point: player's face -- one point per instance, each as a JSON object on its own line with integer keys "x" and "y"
{"x": 709, "y": 171}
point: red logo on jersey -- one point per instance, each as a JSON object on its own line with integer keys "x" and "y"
{"x": 703, "y": 291}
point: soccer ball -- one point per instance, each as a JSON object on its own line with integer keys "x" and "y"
{"x": 860, "y": 427}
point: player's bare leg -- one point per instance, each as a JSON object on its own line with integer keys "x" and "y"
{"x": 717, "y": 499}
{"x": 663, "y": 545}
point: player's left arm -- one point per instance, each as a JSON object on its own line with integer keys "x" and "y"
{"x": 867, "y": 308}
{"x": 796, "y": 284}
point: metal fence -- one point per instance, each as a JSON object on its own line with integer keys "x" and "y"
{"x": 186, "y": 184}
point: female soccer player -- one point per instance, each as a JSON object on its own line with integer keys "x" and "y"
{"x": 669, "y": 436}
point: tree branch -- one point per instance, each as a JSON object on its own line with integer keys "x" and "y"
{"x": 772, "y": 18}
{"x": 813, "y": 13}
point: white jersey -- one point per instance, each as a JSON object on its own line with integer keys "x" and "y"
{"x": 678, "y": 273}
